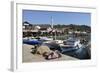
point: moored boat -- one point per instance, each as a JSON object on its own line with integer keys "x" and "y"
{"x": 32, "y": 41}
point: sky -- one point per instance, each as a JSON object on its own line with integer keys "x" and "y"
{"x": 44, "y": 17}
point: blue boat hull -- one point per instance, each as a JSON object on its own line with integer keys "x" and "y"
{"x": 32, "y": 42}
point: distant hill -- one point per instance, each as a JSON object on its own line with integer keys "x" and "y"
{"x": 73, "y": 27}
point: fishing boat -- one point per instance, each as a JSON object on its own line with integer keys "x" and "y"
{"x": 74, "y": 48}
{"x": 72, "y": 43}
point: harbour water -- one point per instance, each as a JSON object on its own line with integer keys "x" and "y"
{"x": 81, "y": 53}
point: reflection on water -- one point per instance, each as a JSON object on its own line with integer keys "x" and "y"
{"x": 81, "y": 53}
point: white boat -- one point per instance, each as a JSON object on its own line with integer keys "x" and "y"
{"x": 73, "y": 43}
{"x": 46, "y": 38}
{"x": 59, "y": 41}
